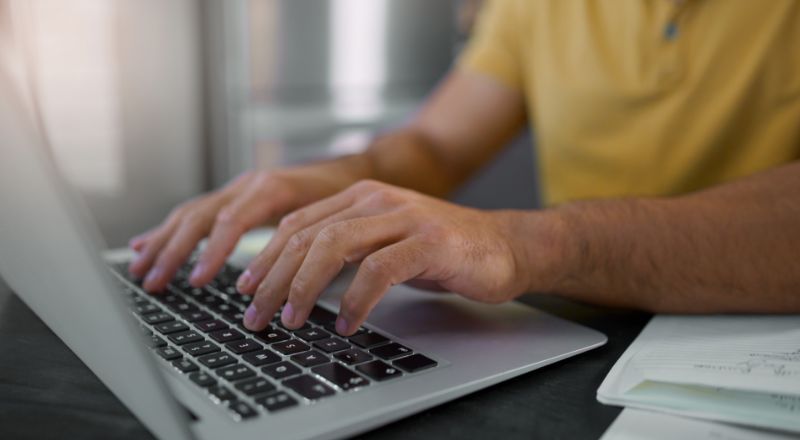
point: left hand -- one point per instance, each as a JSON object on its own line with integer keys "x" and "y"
{"x": 398, "y": 235}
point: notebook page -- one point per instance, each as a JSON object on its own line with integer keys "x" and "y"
{"x": 748, "y": 353}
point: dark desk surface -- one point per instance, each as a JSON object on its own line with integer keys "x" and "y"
{"x": 47, "y": 392}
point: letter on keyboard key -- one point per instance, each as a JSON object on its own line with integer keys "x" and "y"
{"x": 243, "y": 346}
{"x": 390, "y": 351}
{"x": 281, "y": 370}
{"x": 379, "y": 370}
{"x": 340, "y": 376}
{"x": 169, "y": 353}
{"x": 276, "y": 401}
{"x": 211, "y": 326}
{"x": 216, "y": 360}
{"x": 291, "y": 346}
{"x": 157, "y": 318}
{"x": 259, "y": 358}
{"x": 171, "y": 327}
{"x": 309, "y": 387}
{"x": 200, "y": 348}
{"x": 310, "y": 358}
{"x": 184, "y": 365}
{"x": 255, "y": 386}
{"x": 235, "y": 372}
{"x": 202, "y": 379}
{"x": 185, "y": 337}
{"x": 241, "y": 410}
{"x": 226, "y": 335}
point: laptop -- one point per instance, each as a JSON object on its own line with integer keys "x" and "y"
{"x": 184, "y": 365}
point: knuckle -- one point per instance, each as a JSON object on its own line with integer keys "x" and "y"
{"x": 298, "y": 243}
{"x": 227, "y": 217}
{"x": 352, "y": 309}
{"x": 331, "y": 234}
{"x": 376, "y": 267}
{"x": 263, "y": 178}
{"x": 290, "y": 221}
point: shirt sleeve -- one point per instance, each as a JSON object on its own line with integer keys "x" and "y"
{"x": 495, "y": 48}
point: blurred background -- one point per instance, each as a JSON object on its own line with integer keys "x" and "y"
{"x": 147, "y": 102}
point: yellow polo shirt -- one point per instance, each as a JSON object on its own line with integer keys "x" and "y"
{"x": 648, "y": 97}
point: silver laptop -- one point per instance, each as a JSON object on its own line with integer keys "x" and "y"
{"x": 187, "y": 369}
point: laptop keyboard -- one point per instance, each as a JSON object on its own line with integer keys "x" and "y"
{"x": 199, "y": 332}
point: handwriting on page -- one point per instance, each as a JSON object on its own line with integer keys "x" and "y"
{"x": 728, "y": 353}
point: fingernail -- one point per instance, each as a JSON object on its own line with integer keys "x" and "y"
{"x": 244, "y": 281}
{"x": 198, "y": 271}
{"x": 341, "y": 326}
{"x": 287, "y": 316}
{"x": 250, "y": 316}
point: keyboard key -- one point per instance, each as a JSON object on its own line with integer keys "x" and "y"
{"x": 196, "y": 316}
{"x": 216, "y": 360}
{"x": 209, "y": 300}
{"x": 241, "y": 410}
{"x": 202, "y": 379}
{"x": 291, "y": 346}
{"x": 224, "y": 308}
{"x": 263, "y": 357}
{"x": 243, "y": 346}
{"x": 331, "y": 345}
{"x": 252, "y": 387}
{"x": 184, "y": 365}
{"x": 353, "y": 356}
{"x": 331, "y": 327}
{"x": 235, "y": 372}
{"x": 169, "y": 353}
{"x": 340, "y": 376}
{"x": 272, "y": 335}
{"x": 279, "y": 323}
{"x": 221, "y": 394}
{"x": 281, "y": 370}
{"x": 379, "y": 370}
{"x": 390, "y": 351}
{"x": 200, "y": 348}
{"x": 185, "y": 337}
{"x": 321, "y": 316}
{"x": 146, "y": 309}
{"x": 155, "y": 342}
{"x": 226, "y": 335}
{"x": 157, "y": 318}
{"x": 310, "y": 358}
{"x": 171, "y": 327}
{"x": 211, "y": 326}
{"x": 243, "y": 300}
{"x": 276, "y": 401}
{"x": 234, "y": 317}
{"x": 308, "y": 387}
{"x": 415, "y": 362}
{"x": 312, "y": 334}
{"x": 368, "y": 340}
{"x": 183, "y": 307}
{"x": 167, "y": 299}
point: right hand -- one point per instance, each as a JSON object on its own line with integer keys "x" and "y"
{"x": 250, "y": 200}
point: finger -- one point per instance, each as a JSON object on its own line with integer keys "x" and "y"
{"x": 179, "y": 247}
{"x": 336, "y": 245}
{"x": 149, "y": 252}
{"x": 289, "y": 226}
{"x": 273, "y": 290}
{"x": 137, "y": 243}
{"x": 378, "y": 272}
{"x": 232, "y": 221}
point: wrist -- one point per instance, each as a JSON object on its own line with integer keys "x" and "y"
{"x": 545, "y": 251}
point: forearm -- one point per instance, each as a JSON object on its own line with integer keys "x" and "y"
{"x": 733, "y": 248}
